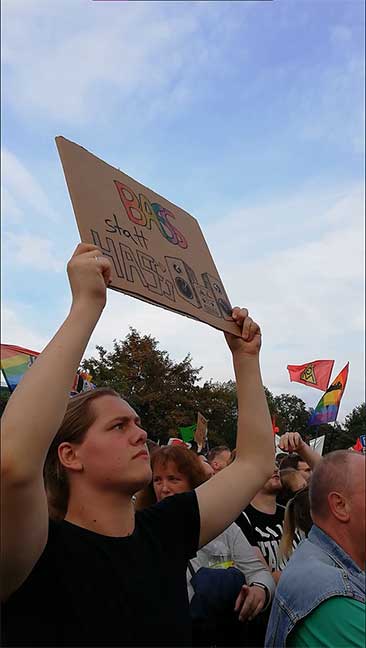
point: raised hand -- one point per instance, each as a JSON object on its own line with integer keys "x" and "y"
{"x": 89, "y": 275}
{"x": 291, "y": 442}
{"x": 250, "y": 341}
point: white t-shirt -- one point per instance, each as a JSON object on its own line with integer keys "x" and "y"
{"x": 232, "y": 549}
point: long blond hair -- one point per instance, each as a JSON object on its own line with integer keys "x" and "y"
{"x": 297, "y": 517}
{"x": 78, "y": 418}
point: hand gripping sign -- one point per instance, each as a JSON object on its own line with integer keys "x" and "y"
{"x": 157, "y": 250}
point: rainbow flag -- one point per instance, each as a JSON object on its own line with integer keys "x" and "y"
{"x": 15, "y": 361}
{"x": 326, "y": 410}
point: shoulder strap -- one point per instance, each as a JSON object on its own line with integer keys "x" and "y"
{"x": 246, "y": 516}
{"x": 190, "y": 567}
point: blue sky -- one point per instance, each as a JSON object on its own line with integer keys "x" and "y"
{"x": 249, "y": 115}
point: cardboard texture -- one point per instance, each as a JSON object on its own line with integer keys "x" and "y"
{"x": 157, "y": 250}
{"x": 201, "y": 430}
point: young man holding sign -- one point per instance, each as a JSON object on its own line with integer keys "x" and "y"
{"x": 103, "y": 576}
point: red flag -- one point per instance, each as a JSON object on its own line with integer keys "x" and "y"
{"x": 358, "y": 445}
{"x": 275, "y": 429}
{"x": 313, "y": 374}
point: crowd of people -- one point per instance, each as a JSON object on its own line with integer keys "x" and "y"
{"x": 108, "y": 539}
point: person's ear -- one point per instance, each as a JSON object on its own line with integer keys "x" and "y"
{"x": 339, "y": 506}
{"x": 67, "y": 454}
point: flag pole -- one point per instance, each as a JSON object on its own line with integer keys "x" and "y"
{"x": 333, "y": 433}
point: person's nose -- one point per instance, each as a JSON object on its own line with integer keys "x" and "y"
{"x": 139, "y": 436}
{"x": 165, "y": 489}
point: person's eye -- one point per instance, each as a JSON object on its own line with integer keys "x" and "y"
{"x": 119, "y": 426}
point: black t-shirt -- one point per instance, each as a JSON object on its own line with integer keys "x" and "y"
{"x": 264, "y": 530}
{"x": 89, "y": 589}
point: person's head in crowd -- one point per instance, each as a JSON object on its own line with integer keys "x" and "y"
{"x": 305, "y": 610}
{"x": 209, "y": 471}
{"x": 337, "y": 501}
{"x": 292, "y": 480}
{"x": 294, "y": 462}
{"x": 273, "y": 485}
{"x": 88, "y": 440}
{"x": 175, "y": 469}
{"x": 219, "y": 457}
{"x": 297, "y": 517}
{"x": 280, "y": 456}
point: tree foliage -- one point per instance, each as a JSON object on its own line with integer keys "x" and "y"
{"x": 218, "y": 403}
{"x": 291, "y": 414}
{"x": 354, "y": 425}
{"x": 162, "y": 391}
{"x": 167, "y": 395}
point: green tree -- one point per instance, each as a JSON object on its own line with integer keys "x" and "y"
{"x": 334, "y": 433}
{"x": 270, "y": 402}
{"x": 291, "y": 414}
{"x": 355, "y": 423}
{"x": 163, "y": 392}
{"x": 166, "y": 394}
{"x": 218, "y": 403}
{"x": 340, "y": 436}
{"x": 346, "y": 435}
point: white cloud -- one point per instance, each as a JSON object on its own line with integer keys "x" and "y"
{"x": 33, "y": 251}
{"x": 15, "y": 329}
{"x": 10, "y": 208}
{"x": 308, "y": 283}
{"x": 142, "y": 52}
{"x": 329, "y": 105}
{"x": 21, "y": 191}
{"x": 297, "y": 262}
{"x": 308, "y": 298}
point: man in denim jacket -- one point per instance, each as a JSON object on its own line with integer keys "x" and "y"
{"x": 320, "y": 599}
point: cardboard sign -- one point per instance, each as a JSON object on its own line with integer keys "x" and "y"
{"x": 157, "y": 250}
{"x": 201, "y": 430}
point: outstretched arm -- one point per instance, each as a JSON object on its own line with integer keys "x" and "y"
{"x": 292, "y": 442}
{"x": 35, "y": 412}
{"x": 225, "y": 495}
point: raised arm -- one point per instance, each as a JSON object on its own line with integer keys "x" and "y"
{"x": 33, "y": 415}
{"x": 292, "y": 442}
{"x": 225, "y": 495}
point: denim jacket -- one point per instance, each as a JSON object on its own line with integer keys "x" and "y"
{"x": 317, "y": 570}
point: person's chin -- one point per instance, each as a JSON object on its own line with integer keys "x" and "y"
{"x": 144, "y": 478}
{"x": 276, "y": 484}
